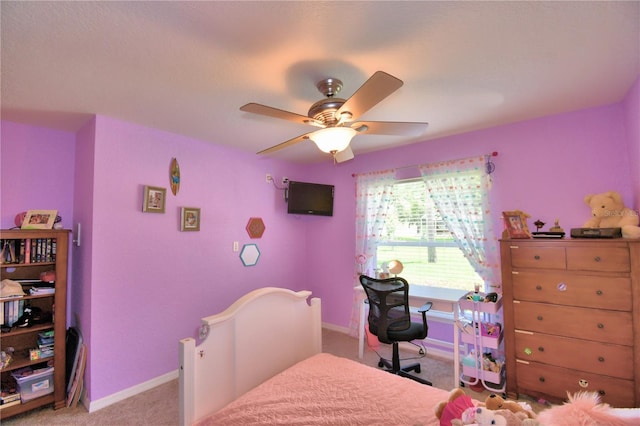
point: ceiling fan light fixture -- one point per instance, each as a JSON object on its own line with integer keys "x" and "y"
{"x": 333, "y": 139}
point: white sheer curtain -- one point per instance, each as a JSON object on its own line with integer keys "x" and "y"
{"x": 460, "y": 191}
{"x": 372, "y": 192}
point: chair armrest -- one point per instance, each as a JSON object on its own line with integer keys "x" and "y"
{"x": 426, "y": 307}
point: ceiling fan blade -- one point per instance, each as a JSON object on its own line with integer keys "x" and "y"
{"x": 379, "y": 86}
{"x": 285, "y": 144}
{"x": 344, "y": 155}
{"x": 279, "y": 113}
{"x": 390, "y": 128}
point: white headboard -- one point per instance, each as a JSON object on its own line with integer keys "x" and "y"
{"x": 261, "y": 334}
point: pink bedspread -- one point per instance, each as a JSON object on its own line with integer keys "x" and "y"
{"x": 329, "y": 390}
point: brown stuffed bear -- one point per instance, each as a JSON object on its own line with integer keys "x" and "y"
{"x": 496, "y": 402}
{"x": 482, "y": 416}
{"x": 608, "y": 211}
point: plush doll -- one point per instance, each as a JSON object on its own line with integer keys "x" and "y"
{"x": 608, "y": 211}
{"x": 453, "y": 407}
{"x": 496, "y": 402}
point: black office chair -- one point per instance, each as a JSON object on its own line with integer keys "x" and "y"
{"x": 390, "y": 320}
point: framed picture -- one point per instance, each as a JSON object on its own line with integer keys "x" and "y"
{"x": 39, "y": 219}
{"x": 189, "y": 219}
{"x": 154, "y": 199}
{"x": 516, "y": 224}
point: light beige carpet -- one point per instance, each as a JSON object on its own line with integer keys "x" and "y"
{"x": 159, "y": 406}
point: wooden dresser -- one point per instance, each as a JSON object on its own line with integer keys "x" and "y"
{"x": 572, "y": 318}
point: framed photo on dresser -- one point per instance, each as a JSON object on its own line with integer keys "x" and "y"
{"x": 515, "y": 223}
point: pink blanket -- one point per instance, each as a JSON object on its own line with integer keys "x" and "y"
{"x": 329, "y": 390}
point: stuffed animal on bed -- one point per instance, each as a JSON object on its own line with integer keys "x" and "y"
{"x": 482, "y": 416}
{"x": 459, "y": 410}
{"x": 585, "y": 408}
{"x": 496, "y": 402}
{"x": 453, "y": 407}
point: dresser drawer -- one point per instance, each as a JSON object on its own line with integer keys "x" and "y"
{"x": 584, "y": 355}
{"x": 573, "y": 289}
{"x": 583, "y": 323}
{"x": 604, "y": 259}
{"x": 538, "y": 257}
{"x": 557, "y": 381}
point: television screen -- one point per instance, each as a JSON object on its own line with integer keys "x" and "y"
{"x": 310, "y": 198}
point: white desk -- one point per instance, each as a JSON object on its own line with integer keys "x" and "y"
{"x": 443, "y": 300}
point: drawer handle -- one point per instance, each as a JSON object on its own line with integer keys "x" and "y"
{"x": 541, "y": 379}
{"x": 536, "y": 257}
{"x": 597, "y": 259}
{"x": 539, "y": 317}
{"x": 600, "y": 325}
{"x": 601, "y": 358}
{"x": 538, "y": 287}
{"x": 599, "y": 292}
{"x": 541, "y": 348}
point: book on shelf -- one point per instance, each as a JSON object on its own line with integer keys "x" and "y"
{"x": 28, "y": 250}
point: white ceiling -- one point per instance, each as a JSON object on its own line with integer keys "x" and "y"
{"x": 186, "y": 67}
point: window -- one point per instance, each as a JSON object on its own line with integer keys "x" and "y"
{"x": 415, "y": 234}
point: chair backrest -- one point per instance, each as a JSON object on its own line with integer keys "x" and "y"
{"x": 388, "y": 305}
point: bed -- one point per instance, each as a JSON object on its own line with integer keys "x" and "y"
{"x": 260, "y": 362}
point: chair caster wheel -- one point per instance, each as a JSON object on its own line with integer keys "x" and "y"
{"x": 418, "y": 370}
{"x": 380, "y": 364}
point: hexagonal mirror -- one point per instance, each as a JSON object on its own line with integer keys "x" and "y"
{"x": 249, "y": 254}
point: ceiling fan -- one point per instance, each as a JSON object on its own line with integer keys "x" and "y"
{"x": 336, "y": 118}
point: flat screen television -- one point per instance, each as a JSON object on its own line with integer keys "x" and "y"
{"x": 310, "y": 198}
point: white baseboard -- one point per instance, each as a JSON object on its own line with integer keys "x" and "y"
{"x": 127, "y": 393}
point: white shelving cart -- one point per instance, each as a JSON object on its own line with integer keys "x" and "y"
{"x": 481, "y": 335}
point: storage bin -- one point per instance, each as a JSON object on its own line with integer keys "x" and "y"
{"x": 480, "y": 306}
{"x": 34, "y": 384}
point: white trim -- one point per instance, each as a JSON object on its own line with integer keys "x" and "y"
{"x": 127, "y": 393}
{"x": 334, "y": 327}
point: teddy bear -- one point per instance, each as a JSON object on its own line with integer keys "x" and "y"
{"x": 482, "y": 416}
{"x": 608, "y": 211}
{"x": 496, "y": 402}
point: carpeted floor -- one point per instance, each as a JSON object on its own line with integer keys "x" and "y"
{"x": 159, "y": 406}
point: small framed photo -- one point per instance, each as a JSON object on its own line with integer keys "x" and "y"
{"x": 516, "y": 224}
{"x": 39, "y": 219}
{"x": 154, "y": 199}
{"x": 189, "y": 219}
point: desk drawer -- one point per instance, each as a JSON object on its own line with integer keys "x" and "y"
{"x": 572, "y": 289}
{"x": 593, "y": 357}
{"x": 557, "y": 381}
{"x": 590, "y": 324}
{"x": 604, "y": 259}
{"x": 538, "y": 257}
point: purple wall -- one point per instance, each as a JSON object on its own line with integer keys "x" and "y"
{"x": 140, "y": 284}
{"x": 36, "y": 171}
{"x": 545, "y": 167}
{"x": 631, "y": 105}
